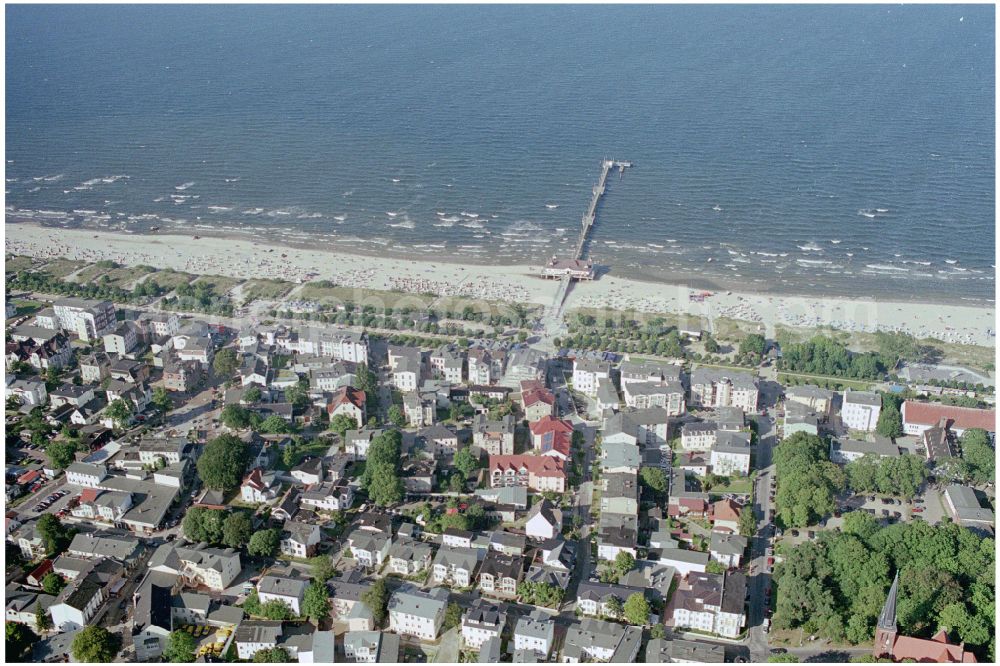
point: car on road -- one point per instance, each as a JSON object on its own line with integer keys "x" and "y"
{"x": 918, "y": 509}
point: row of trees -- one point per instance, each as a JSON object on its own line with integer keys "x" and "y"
{"x": 835, "y": 586}
{"x": 46, "y": 283}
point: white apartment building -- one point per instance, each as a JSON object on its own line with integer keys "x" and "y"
{"x": 860, "y": 410}
{"x": 89, "y": 319}
{"x": 419, "y": 613}
{"x": 586, "y": 374}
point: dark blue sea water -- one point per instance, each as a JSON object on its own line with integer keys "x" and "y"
{"x": 842, "y": 149}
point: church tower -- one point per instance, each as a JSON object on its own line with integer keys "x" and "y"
{"x": 885, "y": 631}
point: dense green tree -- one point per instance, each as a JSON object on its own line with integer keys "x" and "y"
{"x": 119, "y": 411}
{"x": 225, "y": 362}
{"x": 901, "y": 476}
{"x": 201, "y": 524}
{"x": 783, "y": 658}
{"x": 753, "y": 345}
{"x": 637, "y": 610}
{"x": 376, "y": 598}
{"x": 181, "y": 647}
{"x": 252, "y": 395}
{"x": 613, "y": 608}
{"x": 654, "y": 478}
{"x": 264, "y": 543}
{"x": 275, "y": 655}
{"x": 251, "y": 605}
{"x": 162, "y": 399}
{"x": 43, "y": 622}
{"x": 95, "y": 644}
{"x": 276, "y": 609}
{"x": 316, "y": 602}
{"x": 396, "y": 416}
{"x": 890, "y": 421}
{"x": 61, "y": 453}
{"x": 275, "y": 425}
{"x": 236, "y": 417}
{"x": 711, "y": 346}
{"x": 341, "y": 423}
{"x": 715, "y": 567}
{"x": 978, "y": 456}
{"x": 322, "y": 568}
{"x": 237, "y": 529}
{"x": 807, "y": 481}
{"x": 624, "y": 562}
{"x": 223, "y": 462}
{"x": 466, "y": 461}
{"x": 19, "y": 641}
{"x": 54, "y": 534}
{"x": 658, "y": 631}
{"x": 452, "y": 616}
{"x": 748, "y": 521}
{"x": 824, "y": 356}
{"x": 52, "y": 583}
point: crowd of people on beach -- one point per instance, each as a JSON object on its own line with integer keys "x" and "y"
{"x": 302, "y": 265}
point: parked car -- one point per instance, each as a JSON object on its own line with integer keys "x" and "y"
{"x": 918, "y": 509}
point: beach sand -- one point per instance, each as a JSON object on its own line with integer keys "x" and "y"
{"x": 244, "y": 257}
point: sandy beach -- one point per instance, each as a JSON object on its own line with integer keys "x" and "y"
{"x": 244, "y": 257}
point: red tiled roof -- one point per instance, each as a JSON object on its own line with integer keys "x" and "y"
{"x": 532, "y": 396}
{"x": 40, "y": 571}
{"x": 254, "y": 480}
{"x": 936, "y": 649}
{"x": 537, "y": 465}
{"x": 531, "y": 385}
{"x": 558, "y": 442}
{"x": 724, "y": 510}
{"x": 29, "y": 476}
{"x": 961, "y": 418}
{"x": 89, "y": 495}
{"x": 550, "y": 424}
{"x": 347, "y": 394}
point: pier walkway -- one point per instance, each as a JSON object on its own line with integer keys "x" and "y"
{"x": 553, "y": 314}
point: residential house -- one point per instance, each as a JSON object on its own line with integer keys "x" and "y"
{"x": 454, "y": 566}
{"x": 713, "y": 387}
{"x": 88, "y": 319}
{"x": 328, "y": 496}
{"x": 727, "y": 549}
{"x": 844, "y": 450}
{"x": 260, "y": 487}
{"x": 538, "y": 403}
{"x": 860, "y": 410}
{"x": 535, "y": 633}
{"x": 448, "y": 364}
{"x": 725, "y": 515}
{"x": 439, "y": 440}
{"x": 356, "y": 442}
{"x": 350, "y": 401}
{"x": 731, "y": 453}
{"x": 29, "y": 392}
{"x": 494, "y": 437}
{"x": 538, "y": 473}
{"x": 482, "y": 621}
{"x": 369, "y": 548}
{"x": 418, "y": 613}
{"x": 598, "y": 599}
{"x": 587, "y": 373}
{"x": 545, "y": 521}
{"x": 309, "y": 471}
{"x": 215, "y": 568}
{"x": 408, "y": 557}
{"x": 300, "y": 539}
{"x": 698, "y": 435}
{"x": 123, "y": 339}
{"x": 683, "y": 501}
{"x": 95, "y": 367}
{"x": 713, "y": 603}
{"x": 816, "y": 399}
{"x": 591, "y": 640}
{"x": 77, "y": 603}
{"x": 289, "y": 591}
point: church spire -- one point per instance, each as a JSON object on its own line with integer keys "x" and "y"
{"x": 887, "y": 618}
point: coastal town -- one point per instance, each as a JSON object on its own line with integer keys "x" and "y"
{"x": 212, "y": 472}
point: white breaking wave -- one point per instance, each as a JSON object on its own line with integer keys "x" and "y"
{"x": 183, "y": 186}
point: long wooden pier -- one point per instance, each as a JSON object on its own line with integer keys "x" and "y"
{"x": 591, "y": 215}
